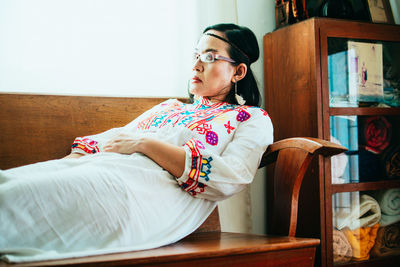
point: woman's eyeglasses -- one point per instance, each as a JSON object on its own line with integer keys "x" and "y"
{"x": 210, "y": 57}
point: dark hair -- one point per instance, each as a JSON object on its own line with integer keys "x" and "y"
{"x": 243, "y": 49}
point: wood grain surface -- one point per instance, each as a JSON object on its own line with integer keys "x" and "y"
{"x": 36, "y": 128}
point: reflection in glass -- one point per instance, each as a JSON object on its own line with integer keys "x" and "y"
{"x": 344, "y": 131}
{"x": 363, "y": 73}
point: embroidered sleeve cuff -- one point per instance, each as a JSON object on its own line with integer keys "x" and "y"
{"x": 86, "y": 145}
{"x": 197, "y": 168}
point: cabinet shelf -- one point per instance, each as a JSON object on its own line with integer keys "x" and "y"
{"x": 354, "y": 187}
{"x": 367, "y": 111}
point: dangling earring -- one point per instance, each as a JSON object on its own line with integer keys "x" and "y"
{"x": 239, "y": 98}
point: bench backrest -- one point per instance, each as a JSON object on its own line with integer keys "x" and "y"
{"x": 42, "y": 127}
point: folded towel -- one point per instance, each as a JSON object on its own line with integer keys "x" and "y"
{"x": 361, "y": 241}
{"x": 338, "y": 165}
{"x": 342, "y": 251}
{"x": 377, "y": 133}
{"x": 367, "y": 214}
{"x": 387, "y": 241}
{"x": 391, "y": 159}
{"x": 389, "y": 219}
{"x": 389, "y": 202}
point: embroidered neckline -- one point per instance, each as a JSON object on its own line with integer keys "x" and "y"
{"x": 203, "y": 101}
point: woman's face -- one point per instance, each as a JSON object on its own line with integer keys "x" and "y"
{"x": 213, "y": 80}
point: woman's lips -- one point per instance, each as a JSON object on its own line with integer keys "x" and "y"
{"x": 196, "y": 79}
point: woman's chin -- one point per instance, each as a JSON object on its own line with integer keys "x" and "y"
{"x": 193, "y": 90}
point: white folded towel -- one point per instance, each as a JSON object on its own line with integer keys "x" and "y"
{"x": 367, "y": 214}
{"x": 338, "y": 165}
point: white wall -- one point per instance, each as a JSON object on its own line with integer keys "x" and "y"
{"x": 260, "y": 17}
{"x": 97, "y": 47}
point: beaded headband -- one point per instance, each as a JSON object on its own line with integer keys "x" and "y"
{"x": 230, "y": 43}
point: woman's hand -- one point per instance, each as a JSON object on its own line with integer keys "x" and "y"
{"x": 169, "y": 157}
{"x": 124, "y": 144}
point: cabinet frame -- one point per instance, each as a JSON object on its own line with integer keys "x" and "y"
{"x": 311, "y": 71}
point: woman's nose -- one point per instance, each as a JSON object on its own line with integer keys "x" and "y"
{"x": 197, "y": 65}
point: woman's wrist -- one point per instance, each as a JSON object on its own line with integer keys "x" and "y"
{"x": 74, "y": 155}
{"x": 168, "y": 156}
{"x": 144, "y": 145}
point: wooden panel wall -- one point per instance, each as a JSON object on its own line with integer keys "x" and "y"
{"x": 290, "y": 76}
{"x": 49, "y": 124}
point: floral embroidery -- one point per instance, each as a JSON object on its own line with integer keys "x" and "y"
{"x": 228, "y": 127}
{"x": 200, "y": 145}
{"x": 198, "y": 117}
{"x": 203, "y": 171}
{"x": 86, "y": 144}
{"x": 185, "y": 121}
{"x": 199, "y": 187}
{"x": 187, "y": 112}
{"x": 205, "y": 168}
{"x": 194, "y": 146}
{"x": 158, "y": 120}
{"x": 243, "y": 116}
{"x": 204, "y": 128}
{"x": 145, "y": 124}
{"x": 190, "y": 116}
{"x": 212, "y": 138}
{"x": 205, "y": 116}
{"x": 200, "y": 168}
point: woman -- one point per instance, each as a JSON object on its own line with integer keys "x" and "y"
{"x": 153, "y": 181}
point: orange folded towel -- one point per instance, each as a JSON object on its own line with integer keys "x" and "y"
{"x": 361, "y": 240}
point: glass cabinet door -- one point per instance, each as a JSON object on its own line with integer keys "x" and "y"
{"x": 366, "y": 224}
{"x": 364, "y": 101}
{"x": 363, "y": 73}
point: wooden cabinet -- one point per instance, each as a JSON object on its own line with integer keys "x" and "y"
{"x": 339, "y": 80}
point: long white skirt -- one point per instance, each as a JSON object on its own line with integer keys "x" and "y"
{"x": 96, "y": 204}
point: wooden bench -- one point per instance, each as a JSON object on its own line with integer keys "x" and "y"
{"x": 36, "y": 128}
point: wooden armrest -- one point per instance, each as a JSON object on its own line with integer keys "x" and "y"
{"x": 309, "y": 144}
{"x": 292, "y": 157}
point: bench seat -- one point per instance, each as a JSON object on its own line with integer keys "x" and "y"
{"x": 207, "y": 249}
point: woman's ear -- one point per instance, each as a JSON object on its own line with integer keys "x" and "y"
{"x": 241, "y": 71}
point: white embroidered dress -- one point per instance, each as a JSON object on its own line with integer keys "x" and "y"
{"x": 109, "y": 202}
